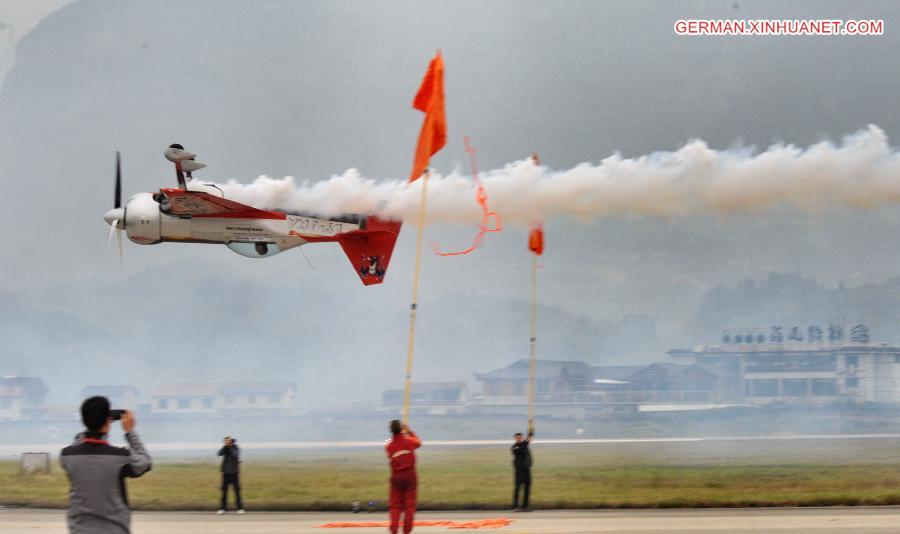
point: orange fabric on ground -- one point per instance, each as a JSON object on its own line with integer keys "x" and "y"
{"x": 497, "y": 522}
{"x": 430, "y": 100}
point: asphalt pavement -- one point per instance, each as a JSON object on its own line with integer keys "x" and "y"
{"x": 861, "y": 520}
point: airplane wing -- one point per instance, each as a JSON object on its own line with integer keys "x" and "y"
{"x": 201, "y": 204}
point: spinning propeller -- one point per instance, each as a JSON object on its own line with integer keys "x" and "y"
{"x": 116, "y": 216}
{"x": 185, "y": 163}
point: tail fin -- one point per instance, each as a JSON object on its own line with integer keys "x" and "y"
{"x": 369, "y": 250}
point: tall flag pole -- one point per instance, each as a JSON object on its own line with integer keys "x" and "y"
{"x": 433, "y": 136}
{"x": 410, "y": 347}
{"x": 536, "y": 246}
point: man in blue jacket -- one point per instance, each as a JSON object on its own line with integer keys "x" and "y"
{"x": 98, "y": 501}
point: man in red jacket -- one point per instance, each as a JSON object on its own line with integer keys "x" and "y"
{"x": 400, "y": 451}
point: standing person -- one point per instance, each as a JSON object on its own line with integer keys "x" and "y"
{"x": 98, "y": 501}
{"x": 522, "y": 466}
{"x": 231, "y": 461}
{"x": 400, "y": 451}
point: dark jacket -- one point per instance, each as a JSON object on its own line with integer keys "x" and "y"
{"x": 521, "y": 455}
{"x": 98, "y": 502}
{"x": 231, "y": 459}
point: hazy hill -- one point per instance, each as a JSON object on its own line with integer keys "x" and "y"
{"x": 208, "y": 324}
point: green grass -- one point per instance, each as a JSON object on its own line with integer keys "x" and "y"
{"x": 615, "y": 476}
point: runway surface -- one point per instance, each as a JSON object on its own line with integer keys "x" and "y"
{"x": 13, "y": 451}
{"x": 708, "y": 521}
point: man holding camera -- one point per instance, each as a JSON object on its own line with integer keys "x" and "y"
{"x": 231, "y": 460}
{"x": 98, "y": 502}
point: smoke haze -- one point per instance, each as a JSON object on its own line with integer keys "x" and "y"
{"x": 863, "y": 171}
{"x": 656, "y": 242}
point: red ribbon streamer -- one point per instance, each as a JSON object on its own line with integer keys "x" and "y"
{"x": 486, "y": 214}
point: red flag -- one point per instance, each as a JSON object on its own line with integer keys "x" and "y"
{"x": 536, "y": 240}
{"x": 430, "y": 100}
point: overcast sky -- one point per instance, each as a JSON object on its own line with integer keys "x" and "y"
{"x": 17, "y": 18}
{"x": 310, "y": 89}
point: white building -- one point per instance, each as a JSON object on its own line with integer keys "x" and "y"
{"x": 22, "y": 397}
{"x": 250, "y": 397}
{"x": 11, "y": 398}
{"x": 231, "y": 397}
{"x": 120, "y": 396}
{"x": 803, "y": 371}
{"x": 184, "y": 398}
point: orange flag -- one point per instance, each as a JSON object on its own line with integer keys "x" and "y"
{"x": 536, "y": 240}
{"x": 430, "y": 100}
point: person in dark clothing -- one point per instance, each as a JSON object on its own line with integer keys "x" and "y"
{"x": 231, "y": 460}
{"x": 98, "y": 502}
{"x": 522, "y": 466}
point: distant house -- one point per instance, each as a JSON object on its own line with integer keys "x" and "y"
{"x": 576, "y": 389}
{"x": 22, "y": 397}
{"x": 668, "y": 383}
{"x": 429, "y": 397}
{"x": 614, "y": 374}
{"x": 256, "y": 396}
{"x": 611, "y": 382}
{"x": 562, "y": 388}
{"x": 231, "y": 397}
{"x": 120, "y": 397}
{"x": 184, "y": 398}
{"x": 11, "y": 403}
{"x": 555, "y": 382}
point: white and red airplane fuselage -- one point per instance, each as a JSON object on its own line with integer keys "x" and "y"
{"x": 189, "y": 216}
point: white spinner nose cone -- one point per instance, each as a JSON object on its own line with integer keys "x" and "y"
{"x": 115, "y": 215}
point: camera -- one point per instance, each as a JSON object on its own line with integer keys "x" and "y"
{"x": 116, "y": 415}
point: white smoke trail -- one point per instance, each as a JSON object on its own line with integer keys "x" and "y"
{"x": 863, "y": 171}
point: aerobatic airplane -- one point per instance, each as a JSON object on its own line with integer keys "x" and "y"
{"x": 186, "y": 215}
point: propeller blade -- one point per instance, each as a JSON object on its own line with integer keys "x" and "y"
{"x": 117, "y": 202}
{"x": 119, "y": 242}
{"x": 112, "y": 228}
